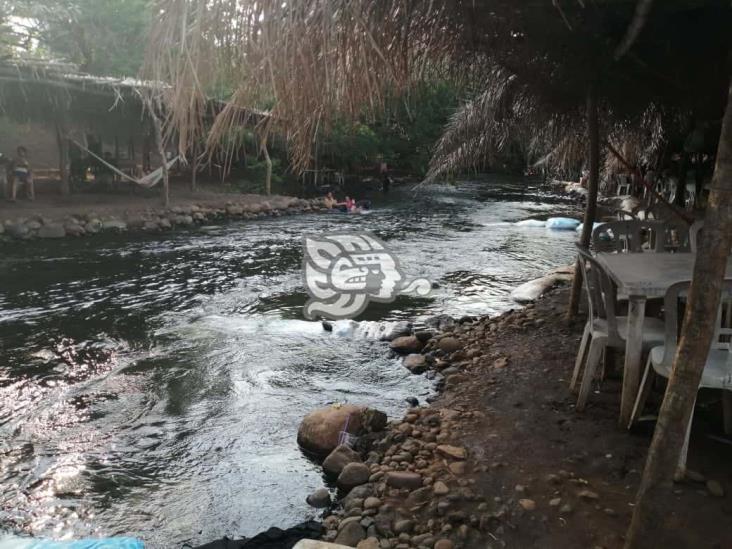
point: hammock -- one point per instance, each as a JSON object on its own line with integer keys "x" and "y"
{"x": 149, "y": 180}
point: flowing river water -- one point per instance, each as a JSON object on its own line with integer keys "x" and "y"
{"x": 152, "y": 385}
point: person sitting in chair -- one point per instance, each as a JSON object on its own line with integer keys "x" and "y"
{"x": 21, "y": 174}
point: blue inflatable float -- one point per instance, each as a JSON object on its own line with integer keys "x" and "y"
{"x": 562, "y": 223}
{"x": 21, "y": 542}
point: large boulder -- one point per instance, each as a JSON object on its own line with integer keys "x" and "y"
{"x": 339, "y": 458}
{"x": 406, "y": 345}
{"x": 320, "y": 429}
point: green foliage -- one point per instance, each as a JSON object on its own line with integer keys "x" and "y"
{"x": 104, "y": 37}
{"x": 403, "y": 135}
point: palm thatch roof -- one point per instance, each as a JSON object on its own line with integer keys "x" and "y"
{"x": 57, "y": 94}
{"x": 530, "y": 64}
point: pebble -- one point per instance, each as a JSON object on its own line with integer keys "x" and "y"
{"x": 372, "y": 503}
{"x": 454, "y": 452}
{"x": 527, "y": 504}
{"x": 403, "y": 526}
{"x": 440, "y": 488}
{"x": 443, "y": 544}
{"x": 457, "y": 467}
{"x": 588, "y": 495}
{"x": 404, "y": 479}
{"x": 555, "y": 502}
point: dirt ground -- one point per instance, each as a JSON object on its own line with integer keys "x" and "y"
{"x": 527, "y": 442}
{"x": 52, "y": 205}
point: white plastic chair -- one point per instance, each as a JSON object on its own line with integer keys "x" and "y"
{"x": 603, "y": 328}
{"x": 695, "y": 234}
{"x": 623, "y": 187}
{"x": 630, "y": 236}
{"x": 717, "y": 372}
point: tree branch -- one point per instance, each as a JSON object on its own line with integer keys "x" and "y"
{"x": 642, "y": 9}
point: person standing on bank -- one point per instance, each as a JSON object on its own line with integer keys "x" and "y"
{"x": 21, "y": 174}
{"x": 384, "y": 174}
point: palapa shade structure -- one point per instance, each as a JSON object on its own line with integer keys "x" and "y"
{"x": 72, "y": 104}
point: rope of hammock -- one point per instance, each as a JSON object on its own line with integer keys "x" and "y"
{"x": 149, "y": 180}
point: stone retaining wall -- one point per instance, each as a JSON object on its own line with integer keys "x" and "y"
{"x": 152, "y": 220}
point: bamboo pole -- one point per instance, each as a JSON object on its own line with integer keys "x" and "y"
{"x": 650, "y": 526}
{"x": 593, "y": 132}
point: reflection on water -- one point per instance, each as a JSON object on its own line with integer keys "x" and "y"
{"x": 153, "y": 387}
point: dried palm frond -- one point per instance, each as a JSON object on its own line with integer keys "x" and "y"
{"x": 505, "y": 116}
{"x": 311, "y": 59}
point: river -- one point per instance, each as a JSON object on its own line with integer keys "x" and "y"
{"x": 152, "y": 385}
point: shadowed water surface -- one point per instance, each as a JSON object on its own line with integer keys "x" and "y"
{"x": 153, "y": 385}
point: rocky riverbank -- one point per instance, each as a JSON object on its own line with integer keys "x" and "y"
{"x": 501, "y": 458}
{"x": 53, "y": 223}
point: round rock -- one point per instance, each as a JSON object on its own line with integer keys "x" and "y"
{"x": 415, "y": 363}
{"x": 319, "y": 499}
{"x": 404, "y": 479}
{"x": 449, "y": 344}
{"x": 350, "y": 534}
{"x": 353, "y": 474}
{"x": 339, "y": 458}
{"x": 406, "y": 344}
{"x": 320, "y": 430}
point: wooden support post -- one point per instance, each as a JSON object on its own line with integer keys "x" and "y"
{"x": 62, "y": 140}
{"x": 165, "y": 192}
{"x": 593, "y": 131}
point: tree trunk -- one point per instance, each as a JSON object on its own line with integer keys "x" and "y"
{"x": 165, "y": 192}
{"x": 268, "y": 160}
{"x": 593, "y": 133}
{"x": 194, "y": 167}
{"x": 648, "y": 527}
